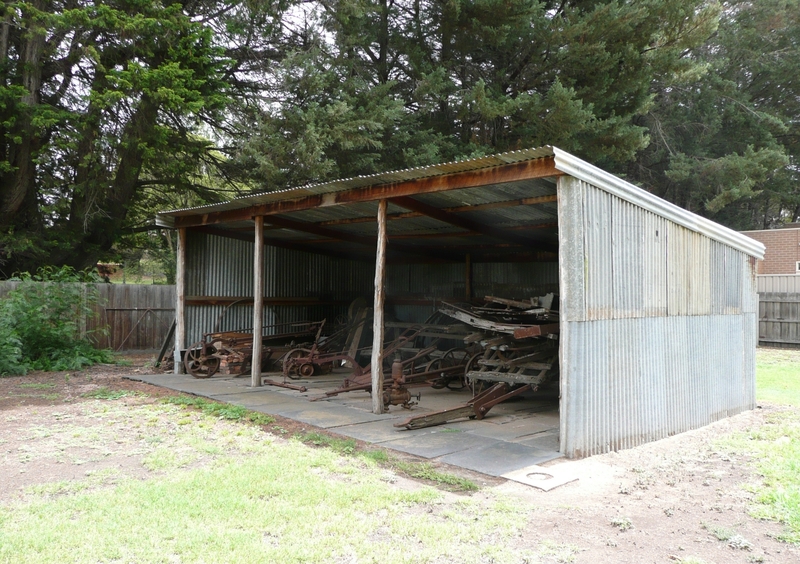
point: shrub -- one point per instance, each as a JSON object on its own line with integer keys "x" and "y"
{"x": 40, "y": 322}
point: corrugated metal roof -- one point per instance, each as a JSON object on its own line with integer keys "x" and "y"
{"x": 529, "y": 215}
{"x": 369, "y": 180}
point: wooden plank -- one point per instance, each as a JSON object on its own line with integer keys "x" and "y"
{"x": 180, "y": 302}
{"x": 377, "y": 317}
{"x": 526, "y": 170}
{"x": 258, "y": 302}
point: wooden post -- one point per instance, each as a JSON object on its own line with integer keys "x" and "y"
{"x": 377, "y": 324}
{"x": 180, "y": 305}
{"x": 468, "y": 277}
{"x": 258, "y": 301}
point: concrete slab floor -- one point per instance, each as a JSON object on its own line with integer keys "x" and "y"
{"x": 513, "y": 436}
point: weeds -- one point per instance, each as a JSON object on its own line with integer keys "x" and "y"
{"x": 729, "y": 536}
{"x": 107, "y": 394}
{"x": 221, "y": 410}
{"x": 426, "y": 471}
{"x": 40, "y": 322}
{"x": 342, "y": 446}
{"x": 622, "y": 523}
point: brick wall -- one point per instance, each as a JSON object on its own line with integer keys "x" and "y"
{"x": 783, "y": 250}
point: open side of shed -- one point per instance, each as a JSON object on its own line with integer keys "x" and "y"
{"x": 658, "y": 305}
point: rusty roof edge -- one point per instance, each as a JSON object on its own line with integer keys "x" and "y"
{"x": 580, "y": 169}
{"x": 377, "y": 179}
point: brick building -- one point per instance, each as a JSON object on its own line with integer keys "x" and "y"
{"x": 783, "y": 249}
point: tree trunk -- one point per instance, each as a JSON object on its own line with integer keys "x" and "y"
{"x": 19, "y": 187}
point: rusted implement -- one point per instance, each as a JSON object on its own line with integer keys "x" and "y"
{"x": 305, "y": 362}
{"x": 519, "y": 352}
{"x": 284, "y": 385}
{"x": 424, "y": 366}
{"x": 235, "y": 348}
{"x": 477, "y": 408}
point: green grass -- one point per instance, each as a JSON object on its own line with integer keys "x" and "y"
{"x": 775, "y": 446}
{"x": 221, "y": 410}
{"x": 259, "y": 498}
{"x": 107, "y": 394}
{"x": 778, "y": 376}
{"x": 419, "y": 470}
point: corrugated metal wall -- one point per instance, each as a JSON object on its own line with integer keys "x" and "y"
{"x": 437, "y": 282}
{"x": 658, "y": 324}
{"x": 779, "y": 310}
{"x": 223, "y": 267}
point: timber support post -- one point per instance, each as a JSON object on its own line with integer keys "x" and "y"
{"x": 377, "y": 325}
{"x": 180, "y": 305}
{"x": 258, "y": 301}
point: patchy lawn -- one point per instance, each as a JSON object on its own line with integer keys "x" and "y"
{"x": 96, "y": 468}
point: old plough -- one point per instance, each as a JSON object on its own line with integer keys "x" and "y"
{"x": 518, "y": 353}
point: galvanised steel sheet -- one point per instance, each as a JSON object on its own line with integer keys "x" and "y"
{"x": 370, "y": 180}
{"x": 623, "y": 387}
{"x": 223, "y": 267}
{"x": 658, "y": 325}
{"x": 515, "y": 280}
{"x": 779, "y": 284}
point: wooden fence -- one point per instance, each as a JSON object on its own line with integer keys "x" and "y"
{"x": 129, "y": 316}
{"x": 779, "y": 310}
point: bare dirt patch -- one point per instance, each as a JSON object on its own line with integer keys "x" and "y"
{"x": 677, "y": 500}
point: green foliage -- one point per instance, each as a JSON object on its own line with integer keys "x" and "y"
{"x": 99, "y": 102}
{"x": 375, "y": 86}
{"x": 40, "y": 322}
{"x": 221, "y": 410}
{"x": 725, "y": 137}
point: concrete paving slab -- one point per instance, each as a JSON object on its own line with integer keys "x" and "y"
{"x": 542, "y": 441}
{"x": 277, "y": 402}
{"x": 328, "y": 417}
{"x": 542, "y": 478}
{"x": 513, "y": 430}
{"x": 375, "y": 432}
{"x": 498, "y": 458}
{"x": 437, "y": 443}
{"x": 514, "y": 436}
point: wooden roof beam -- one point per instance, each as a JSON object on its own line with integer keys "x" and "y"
{"x": 458, "y": 209}
{"x": 283, "y": 244}
{"x": 535, "y": 168}
{"x": 366, "y": 240}
{"x": 469, "y": 224}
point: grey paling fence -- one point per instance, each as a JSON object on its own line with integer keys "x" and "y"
{"x": 129, "y": 316}
{"x": 779, "y": 310}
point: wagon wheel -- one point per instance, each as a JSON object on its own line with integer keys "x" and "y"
{"x": 472, "y": 365}
{"x": 452, "y": 357}
{"x": 199, "y": 361}
{"x": 296, "y": 371}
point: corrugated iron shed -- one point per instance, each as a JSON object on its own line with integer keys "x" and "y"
{"x": 658, "y": 305}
